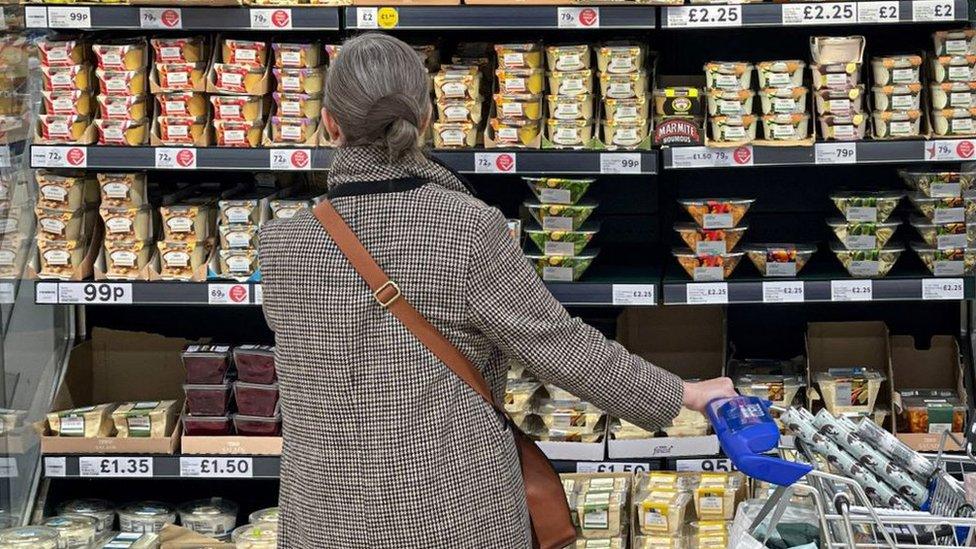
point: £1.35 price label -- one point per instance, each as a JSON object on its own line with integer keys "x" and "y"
{"x": 703, "y": 16}
{"x": 114, "y": 466}
{"x": 290, "y": 159}
{"x": 217, "y": 467}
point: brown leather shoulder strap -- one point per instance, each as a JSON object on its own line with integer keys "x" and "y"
{"x": 388, "y": 294}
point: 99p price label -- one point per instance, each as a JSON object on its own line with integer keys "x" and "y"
{"x": 620, "y": 163}
{"x": 69, "y": 17}
{"x": 95, "y": 293}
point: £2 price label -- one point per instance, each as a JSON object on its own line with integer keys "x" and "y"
{"x": 833, "y": 13}
{"x": 878, "y": 12}
{"x": 495, "y": 162}
{"x": 290, "y": 159}
{"x": 104, "y": 466}
{"x": 933, "y": 10}
{"x": 161, "y": 18}
{"x": 578, "y": 18}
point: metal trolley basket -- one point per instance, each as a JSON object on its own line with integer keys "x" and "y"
{"x": 848, "y": 520}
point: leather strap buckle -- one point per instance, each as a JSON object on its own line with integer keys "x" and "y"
{"x": 386, "y": 300}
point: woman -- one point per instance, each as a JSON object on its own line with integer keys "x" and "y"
{"x": 383, "y": 445}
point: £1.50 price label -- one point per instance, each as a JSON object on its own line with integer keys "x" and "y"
{"x": 833, "y": 13}
{"x": 612, "y": 467}
{"x": 217, "y": 467}
{"x": 704, "y": 16}
{"x": 105, "y": 466}
{"x": 709, "y": 157}
{"x": 95, "y": 293}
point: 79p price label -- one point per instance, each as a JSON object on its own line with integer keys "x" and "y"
{"x": 704, "y": 16}
{"x": 161, "y": 18}
{"x": 835, "y": 153}
{"x": 290, "y": 159}
{"x": 216, "y": 467}
{"x": 99, "y": 466}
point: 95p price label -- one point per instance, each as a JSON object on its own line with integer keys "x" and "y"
{"x": 722, "y": 465}
{"x": 104, "y": 466}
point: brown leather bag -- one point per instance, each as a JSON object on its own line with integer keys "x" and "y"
{"x": 544, "y": 495}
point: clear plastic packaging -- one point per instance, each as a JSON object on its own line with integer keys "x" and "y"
{"x": 717, "y": 494}
{"x": 946, "y": 261}
{"x": 132, "y": 540}
{"x": 717, "y": 213}
{"x": 256, "y": 400}
{"x": 939, "y": 184}
{"x": 895, "y": 449}
{"x": 206, "y": 364}
{"x": 204, "y": 426}
{"x": 102, "y": 511}
{"x": 558, "y": 190}
{"x": 779, "y": 389}
{"x": 255, "y": 363}
{"x": 956, "y": 209}
{"x": 862, "y": 235}
{"x": 518, "y": 395}
{"x": 562, "y": 243}
{"x": 74, "y": 531}
{"x": 897, "y": 98}
{"x": 931, "y": 411}
{"x": 263, "y": 535}
{"x": 867, "y": 206}
{"x": 560, "y": 217}
{"x": 707, "y": 267}
{"x": 779, "y": 260}
{"x": 208, "y": 400}
{"x": 257, "y": 426}
{"x": 600, "y": 514}
{"x": 264, "y": 515}
{"x": 661, "y": 510}
{"x": 214, "y": 517}
{"x": 945, "y": 235}
{"x": 710, "y": 241}
{"x": 849, "y": 390}
{"x": 29, "y": 537}
{"x": 783, "y": 100}
{"x": 146, "y": 516}
{"x": 728, "y": 75}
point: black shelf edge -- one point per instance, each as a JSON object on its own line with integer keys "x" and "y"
{"x": 302, "y": 159}
{"x": 269, "y": 18}
{"x": 502, "y": 17}
{"x": 892, "y": 12}
{"x": 161, "y": 466}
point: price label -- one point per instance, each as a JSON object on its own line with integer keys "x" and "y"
{"x": 69, "y": 17}
{"x": 95, "y": 293}
{"x": 832, "y": 13}
{"x": 55, "y": 467}
{"x": 835, "y": 153}
{"x": 933, "y": 10}
{"x": 258, "y": 294}
{"x": 707, "y": 293}
{"x": 290, "y": 159}
{"x": 612, "y": 467}
{"x": 176, "y": 158}
{"x": 216, "y": 467}
{"x": 710, "y": 157}
{"x": 704, "y": 16}
{"x": 943, "y": 288}
{"x": 783, "y": 291}
{"x": 633, "y": 294}
{"x": 366, "y": 18}
{"x": 35, "y": 17}
{"x": 950, "y": 149}
{"x": 723, "y": 465}
{"x": 851, "y": 290}
{"x": 59, "y": 157}
{"x": 161, "y": 18}
{"x": 578, "y": 18}
{"x": 495, "y": 162}
{"x": 8, "y": 293}
{"x": 878, "y": 12}
{"x": 620, "y": 163}
{"x": 387, "y": 18}
{"x": 5, "y": 160}
{"x": 105, "y": 466}
{"x": 228, "y": 294}
{"x": 271, "y": 19}
{"x": 46, "y": 293}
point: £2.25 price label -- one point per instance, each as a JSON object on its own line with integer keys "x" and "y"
{"x": 633, "y": 294}
{"x": 828, "y": 13}
{"x": 105, "y": 466}
{"x": 699, "y": 293}
{"x": 786, "y": 291}
{"x": 851, "y": 290}
{"x": 943, "y": 288}
{"x": 217, "y": 467}
{"x": 703, "y": 16}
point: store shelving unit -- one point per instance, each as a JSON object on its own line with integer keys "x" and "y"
{"x": 282, "y": 18}
{"x": 806, "y": 14}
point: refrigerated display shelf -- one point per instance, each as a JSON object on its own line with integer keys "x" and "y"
{"x": 273, "y": 18}
{"x": 304, "y": 159}
{"x": 501, "y": 17}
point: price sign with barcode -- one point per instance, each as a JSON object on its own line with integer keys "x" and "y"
{"x": 578, "y": 18}
{"x": 46, "y": 293}
{"x": 290, "y": 159}
{"x": 366, "y": 18}
{"x": 55, "y": 466}
{"x": 95, "y": 293}
{"x": 35, "y": 17}
{"x": 706, "y": 293}
{"x": 828, "y": 13}
{"x": 787, "y": 291}
{"x": 835, "y": 153}
{"x": 169, "y": 158}
{"x": 612, "y": 467}
{"x": 228, "y": 294}
{"x": 271, "y": 19}
{"x": 216, "y": 467}
{"x": 704, "y": 16}
{"x": 723, "y": 465}
{"x": 943, "y": 288}
{"x": 258, "y": 294}
{"x": 620, "y": 163}
{"x": 933, "y": 10}
{"x": 633, "y": 294}
{"x": 878, "y": 12}
{"x": 161, "y": 18}
{"x": 495, "y": 162}
{"x": 69, "y": 17}
{"x": 106, "y": 466}
{"x": 851, "y": 290}
{"x": 709, "y": 157}
{"x": 59, "y": 157}
{"x": 950, "y": 149}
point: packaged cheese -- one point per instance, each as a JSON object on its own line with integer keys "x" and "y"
{"x": 73, "y": 77}
{"x": 112, "y": 82}
{"x": 240, "y": 79}
{"x": 125, "y": 55}
{"x": 68, "y": 102}
{"x": 122, "y": 132}
{"x": 61, "y": 52}
{"x": 297, "y": 56}
{"x": 244, "y": 52}
{"x": 178, "y": 260}
{"x": 177, "y": 130}
{"x": 124, "y": 259}
{"x": 181, "y": 76}
{"x": 60, "y": 258}
{"x": 145, "y": 419}
{"x": 180, "y": 50}
{"x": 123, "y": 107}
{"x": 245, "y": 108}
{"x": 182, "y": 104}
{"x": 122, "y": 189}
{"x": 186, "y": 222}
{"x": 88, "y": 421}
{"x": 233, "y": 133}
{"x": 300, "y": 105}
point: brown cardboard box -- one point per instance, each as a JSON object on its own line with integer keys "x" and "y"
{"x": 232, "y": 445}
{"x": 937, "y": 367}
{"x": 846, "y": 345}
{"x": 175, "y": 537}
{"x": 116, "y": 366}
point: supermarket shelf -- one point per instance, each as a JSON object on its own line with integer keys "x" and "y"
{"x": 810, "y": 14}
{"x": 834, "y": 153}
{"x": 175, "y": 466}
{"x": 303, "y": 159}
{"x": 502, "y": 17}
{"x": 182, "y": 18}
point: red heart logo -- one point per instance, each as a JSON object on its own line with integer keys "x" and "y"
{"x": 185, "y": 158}
{"x": 170, "y": 18}
{"x": 965, "y": 149}
{"x": 299, "y": 159}
{"x": 505, "y": 162}
{"x": 76, "y": 156}
{"x": 280, "y": 18}
{"x": 587, "y": 17}
{"x": 237, "y": 293}
{"x": 742, "y": 155}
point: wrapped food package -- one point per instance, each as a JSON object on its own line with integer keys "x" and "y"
{"x": 73, "y": 530}
{"x": 87, "y": 422}
{"x": 890, "y": 446}
{"x": 122, "y": 189}
{"x": 214, "y": 517}
{"x": 179, "y": 49}
{"x": 146, "y": 516}
{"x": 145, "y": 419}
{"x": 179, "y": 260}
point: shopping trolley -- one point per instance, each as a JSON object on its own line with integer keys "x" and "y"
{"x": 846, "y": 517}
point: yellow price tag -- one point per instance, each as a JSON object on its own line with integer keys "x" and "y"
{"x": 387, "y": 18}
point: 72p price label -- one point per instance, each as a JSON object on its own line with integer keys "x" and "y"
{"x": 290, "y": 159}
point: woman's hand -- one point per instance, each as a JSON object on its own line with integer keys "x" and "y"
{"x": 698, "y": 395}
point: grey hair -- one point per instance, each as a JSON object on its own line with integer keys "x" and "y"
{"x": 378, "y": 91}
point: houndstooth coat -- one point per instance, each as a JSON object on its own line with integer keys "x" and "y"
{"x": 383, "y": 446}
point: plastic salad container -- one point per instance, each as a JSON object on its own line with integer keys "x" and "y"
{"x": 558, "y": 190}
{"x": 661, "y": 510}
{"x": 214, "y": 517}
{"x": 560, "y": 217}
{"x": 256, "y": 400}
{"x": 728, "y": 75}
{"x": 132, "y": 540}
{"x": 717, "y": 213}
{"x": 867, "y": 205}
{"x": 902, "y": 97}
{"x": 717, "y": 494}
{"x": 956, "y": 209}
{"x": 206, "y": 363}
{"x": 75, "y": 531}
{"x": 203, "y": 426}
{"x": 861, "y": 235}
{"x": 849, "y": 390}
{"x": 945, "y": 235}
{"x": 257, "y": 426}
{"x": 701, "y": 267}
{"x": 778, "y": 389}
{"x": 938, "y": 183}
{"x": 946, "y": 262}
{"x": 255, "y": 363}
{"x": 868, "y": 263}
{"x": 779, "y": 259}
{"x": 931, "y": 411}
{"x": 208, "y": 400}
{"x": 102, "y": 511}
{"x": 29, "y": 537}
{"x": 562, "y": 243}
{"x": 710, "y": 241}
{"x": 263, "y": 535}
{"x": 264, "y": 515}
{"x": 783, "y": 100}
{"x": 146, "y": 516}
{"x": 558, "y": 268}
